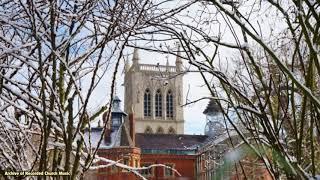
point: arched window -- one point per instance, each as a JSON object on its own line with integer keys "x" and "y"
{"x": 147, "y": 103}
{"x": 169, "y": 104}
{"x": 160, "y": 130}
{"x": 158, "y": 104}
{"x": 171, "y": 131}
{"x": 148, "y": 130}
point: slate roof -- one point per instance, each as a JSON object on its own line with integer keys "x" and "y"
{"x": 169, "y": 141}
{"x": 118, "y": 138}
{"x": 95, "y": 134}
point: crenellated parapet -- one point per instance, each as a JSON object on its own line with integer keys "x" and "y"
{"x": 156, "y": 68}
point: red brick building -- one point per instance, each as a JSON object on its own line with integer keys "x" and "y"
{"x": 173, "y": 150}
{"x": 154, "y": 95}
{"x": 192, "y": 156}
{"x": 127, "y": 155}
{"x": 185, "y": 165}
{"x": 143, "y": 150}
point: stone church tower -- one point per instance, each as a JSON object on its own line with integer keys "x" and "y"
{"x": 154, "y": 93}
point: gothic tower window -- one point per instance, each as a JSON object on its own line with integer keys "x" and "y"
{"x": 147, "y": 103}
{"x": 158, "y": 104}
{"x": 169, "y": 104}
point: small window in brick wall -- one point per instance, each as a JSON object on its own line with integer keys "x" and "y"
{"x": 168, "y": 171}
{"x": 147, "y": 172}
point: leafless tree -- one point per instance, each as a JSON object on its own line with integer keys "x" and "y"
{"x": 261, "y": 58}
{"x": 53, "y": 55}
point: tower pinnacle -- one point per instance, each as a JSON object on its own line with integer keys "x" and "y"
{"x": 126, "y": 65}
{"x": 167, "y": 64}
{"x": 135, "y": 58}
{"x": 178, "y": 59}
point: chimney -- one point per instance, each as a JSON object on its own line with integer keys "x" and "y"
{"x": 132, "y": 128}
{"x": 107, "y": 133}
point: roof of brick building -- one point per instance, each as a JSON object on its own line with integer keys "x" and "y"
{"x": 169, "y": 141}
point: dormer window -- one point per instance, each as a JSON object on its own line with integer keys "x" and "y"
{"x": 116, "y": 121}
